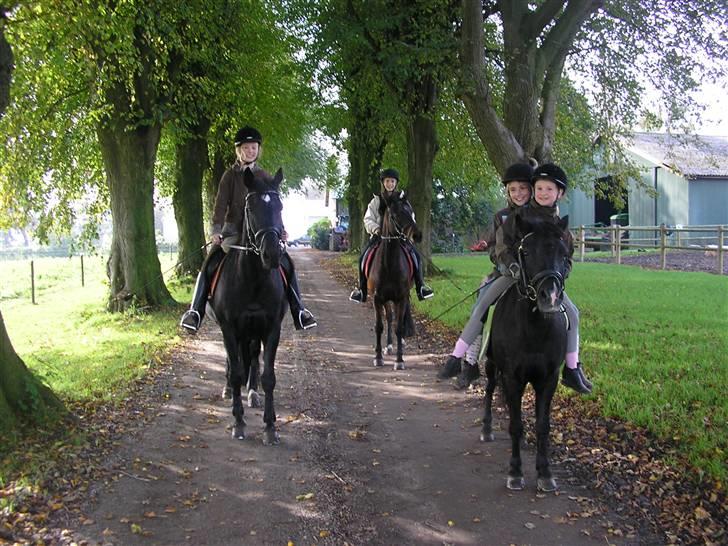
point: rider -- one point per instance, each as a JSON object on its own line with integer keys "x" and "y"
{"x": 517, "y": 181}
{"x": 549, "y": 185}
{"x": 372, "y": 222}
{"x": 227, "y": 223}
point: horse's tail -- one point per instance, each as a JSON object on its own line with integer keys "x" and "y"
{"x": 409, "y": 322}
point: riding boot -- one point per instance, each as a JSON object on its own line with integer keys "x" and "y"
{"x": 450, "y": 369}
{"x": 192, "y": 319}
{"x": 424, "y": 292}
{"x": 303, "y": 319}
{"x": 571, "y": 378}
{"x": 587, "y": 383}
{"x": 468, "y": 373}
{"x": 359, "y": 295}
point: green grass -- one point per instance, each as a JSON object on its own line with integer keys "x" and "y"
{"x": 653, "y": 342}
{"x": 69, "y": 340}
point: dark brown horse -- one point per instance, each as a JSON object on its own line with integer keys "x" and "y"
{"x": 391, "y": 273}
{"x": 528, "y": 343}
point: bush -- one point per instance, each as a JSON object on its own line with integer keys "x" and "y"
{"x": 319, "y": 233}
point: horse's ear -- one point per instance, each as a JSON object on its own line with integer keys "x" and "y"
{"x": 278, "y": 178}
{"x": 382, "y": 204}
{"x": 248, "y": 178}
{"x": 564, "y": 223}
{"x": 522, "y": 225}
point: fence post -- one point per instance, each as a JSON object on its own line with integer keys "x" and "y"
{"x": 32, "y": 282}
{"x": 721, "y": 242}
{"x": 618, "y": 242}
{"x": 582, "y": 243}
{"x": 83, "y": 283}
{"x": 663, "y": 244}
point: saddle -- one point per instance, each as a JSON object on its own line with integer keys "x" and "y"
{"x": 218, "y": 269}
{"x": 367, "y": 261}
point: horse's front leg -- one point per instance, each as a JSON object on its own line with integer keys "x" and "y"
{"x": 514, "y": 395}
{"x": 390, "y": 322}
{"x": 544, "y": 395}
{"x": 399, "y": 315}
{"x": 227, "y": 391}
{"x": 253, "y": 374}
{"x": 235, "y": 376}
{"x": 268, "y": 380}
{"x": 378, "y": 329}
{"x": 486, "y": 435}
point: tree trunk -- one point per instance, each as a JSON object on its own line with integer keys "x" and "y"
{"x": 134, "y": 271}
{"x": 192, "y": 162}
{"x": 23, "y": 398}
{"x": 421, "y": 150}
{"x": 6, "y": 65}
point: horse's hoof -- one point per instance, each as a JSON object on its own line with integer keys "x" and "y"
{"x": 271, "y": 437}
{"x": 398, "y": 366}
{"x": 547, "y": 485}
{"x": 253, "y": 399}
{"x": 239, "y": 432}
{"x": 227, "y": 393}
{"x": 487, "y": 437}
{"x": 515, "y": 484}
{"x": 389, "y": 350}
{"x": 378, "y": 362}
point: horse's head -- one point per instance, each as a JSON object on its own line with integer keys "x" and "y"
{"x": 544, "y": 257}
{"x": 398, "y": 218}
{"x": 263, "y": 217}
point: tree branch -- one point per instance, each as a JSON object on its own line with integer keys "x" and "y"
{"x": 539, "y": 19}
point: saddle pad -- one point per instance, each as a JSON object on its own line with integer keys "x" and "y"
{"x": 216, "y": 277}
{"x": 370, "y": 256}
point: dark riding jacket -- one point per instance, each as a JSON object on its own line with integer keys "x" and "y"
{"x": 229, "y": 211}
{"x": 509, "y": 236}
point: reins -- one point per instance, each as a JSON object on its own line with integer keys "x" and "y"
{"x": 250, "y": 236}
{"x": 529, "y": 289}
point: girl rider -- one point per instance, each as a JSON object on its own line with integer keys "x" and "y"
{"x": 517, "y": 181}
{"x": 372, "y": 222}
{"x": 227, "y": 225}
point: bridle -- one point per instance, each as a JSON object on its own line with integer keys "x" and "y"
{"x": 254, "y": 238}
{"x": 529, "y": 287}
{"x": 399, "y": 232}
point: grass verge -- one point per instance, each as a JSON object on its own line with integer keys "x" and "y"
{"x": 653, "y": 342}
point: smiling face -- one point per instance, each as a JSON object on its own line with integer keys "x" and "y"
{"x": 546, "y": 192}
{"x": 247, "y": 152}
{"x": 389, "y": 183}
{"x": 519, "y": 192}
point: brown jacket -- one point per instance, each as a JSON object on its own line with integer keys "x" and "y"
{"x": 508, "y": 236}
{"x": 229, "y": 211}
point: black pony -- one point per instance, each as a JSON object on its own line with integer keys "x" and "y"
{"x": 390, "y": 275}
{"x": 528, "y": 342}
{"x": 250, "y": 299}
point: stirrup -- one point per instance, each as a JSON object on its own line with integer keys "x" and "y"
{"x": 191, "y": 313}
{"x": 425, "y": 293}
{"x": 301, "y": 314}
{"x": 357, "y": 296}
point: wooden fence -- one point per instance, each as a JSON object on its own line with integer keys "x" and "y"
{"x": 662, "y": 237}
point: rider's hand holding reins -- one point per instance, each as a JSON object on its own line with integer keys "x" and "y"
{"x": 216, "y": 239}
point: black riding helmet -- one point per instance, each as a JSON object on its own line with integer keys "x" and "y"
{"x": 248, "y": 134}
{"x": 389, "y": 173}
{"x": 518, "y": 172}
{"x": 552, "y": 172}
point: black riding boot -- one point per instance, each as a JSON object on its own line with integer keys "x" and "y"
{"x": 192, "y": 319}
{"x": 359, "y": 295}
{"x": 303, "y": 319}
{"x": 424, "y": 292}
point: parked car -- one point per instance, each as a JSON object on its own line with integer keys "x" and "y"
{"x": 301, "y": 241}
{"x": 480, "y": 246}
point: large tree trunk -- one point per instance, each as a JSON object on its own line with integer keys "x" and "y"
{"x": 192, "y": 161}
{"x": 23, "y": 398}
{"x": 134, "y": 271}
{"x": 6, "y": 65}
{"x": 421, "y": 150}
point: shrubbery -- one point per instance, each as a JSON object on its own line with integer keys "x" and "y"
{"x": 319, "y": 233}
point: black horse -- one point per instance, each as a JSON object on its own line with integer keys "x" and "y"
{"x": 250, "y": 299}
{"x": 391, "y": 273}
{"x": 528, "y": 343}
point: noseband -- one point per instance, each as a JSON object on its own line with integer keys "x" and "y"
{"x": 399, "y": 232}
{"x": 529, "y": 287}
{"x": 254, "y": 238}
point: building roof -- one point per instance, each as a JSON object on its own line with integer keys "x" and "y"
{"x": 693, "y": 156}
